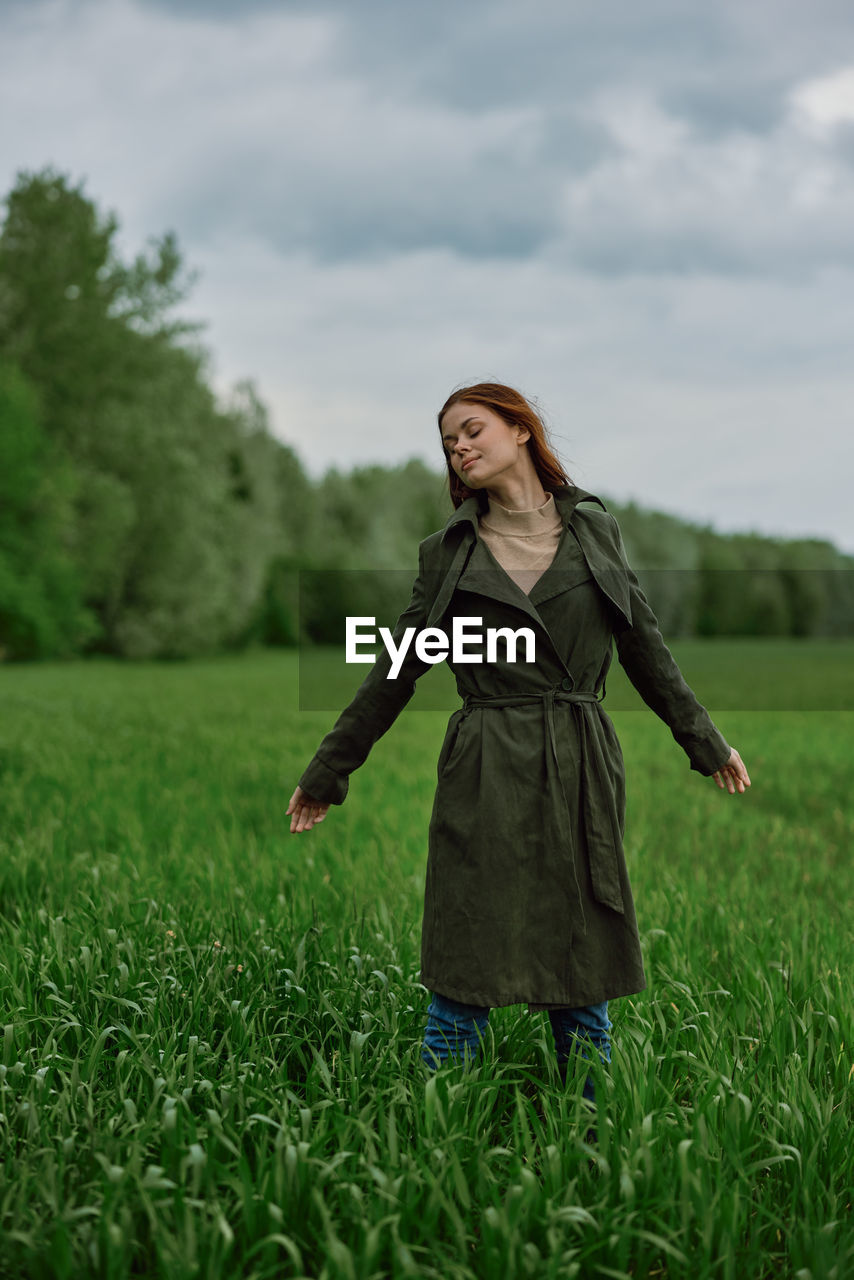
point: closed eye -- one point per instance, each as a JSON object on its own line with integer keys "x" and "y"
{"x": 472, "y": 435}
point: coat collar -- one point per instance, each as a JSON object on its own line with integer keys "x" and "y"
{"x": 567, "y": 498}
{"x": 603, "y": 555}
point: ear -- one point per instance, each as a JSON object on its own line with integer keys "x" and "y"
{"x": 522, "y": 434}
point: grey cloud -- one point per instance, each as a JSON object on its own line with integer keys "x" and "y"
{"x": 614, "y": 139}
{"x": 490, "y": 53}
{"x": 234, "y": 11}
{"x": 383, "y": 203}
{"x": 722, "y": 107}
{"x": 613, "y": 206}
{"x": 479, "y": 130}
{"x": 486, "y": 53}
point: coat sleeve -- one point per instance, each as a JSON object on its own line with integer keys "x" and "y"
{"x": 376, "y": 705}
{"x": 652, "y": 669}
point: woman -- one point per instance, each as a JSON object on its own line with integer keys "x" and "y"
{"x": 527, "y": 896}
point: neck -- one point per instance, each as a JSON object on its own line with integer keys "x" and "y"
{"x": 518, "y": 494}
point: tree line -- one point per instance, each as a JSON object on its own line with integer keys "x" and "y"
{"x": 143, "y": 517}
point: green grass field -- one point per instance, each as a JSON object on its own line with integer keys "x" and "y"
{"x": 211, "y": 1028}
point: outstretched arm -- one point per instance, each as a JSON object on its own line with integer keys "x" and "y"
{"x": 653, "y": 671}
{"x": 376, "y": 705}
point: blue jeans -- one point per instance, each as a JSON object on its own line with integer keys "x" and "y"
{"x": 456, "y": 1030}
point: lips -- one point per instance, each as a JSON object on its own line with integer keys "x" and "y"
{"x": 468, "y": 463}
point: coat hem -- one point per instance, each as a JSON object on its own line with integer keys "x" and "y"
{"x": 574, "y": 1001}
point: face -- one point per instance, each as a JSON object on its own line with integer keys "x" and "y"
{"x": 481, "y": 445}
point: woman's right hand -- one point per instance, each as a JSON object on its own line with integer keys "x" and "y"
{"x": 306, "y": 811}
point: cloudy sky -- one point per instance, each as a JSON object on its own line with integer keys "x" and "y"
{"x": 642, "y": 214}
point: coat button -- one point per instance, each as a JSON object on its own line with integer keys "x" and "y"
{"x": 566, "y": 683}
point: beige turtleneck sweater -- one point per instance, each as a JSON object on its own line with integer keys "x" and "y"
{"x": 523, "y": 542}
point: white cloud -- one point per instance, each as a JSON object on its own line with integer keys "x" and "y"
{"x": 253, "y": 126}
{"x": 823, "y": 103}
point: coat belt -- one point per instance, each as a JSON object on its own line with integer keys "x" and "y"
{"x": 603, "y": 835}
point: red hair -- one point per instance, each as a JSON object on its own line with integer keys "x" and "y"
{"x": 512, "y": 406}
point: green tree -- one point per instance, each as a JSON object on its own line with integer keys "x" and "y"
{"x": 276, "y": 619}
{"x": 70, "y": 309}
{"x": 188, "y": 576}
{"x": 41, "y": 610}
{"x": 173, "y": 517}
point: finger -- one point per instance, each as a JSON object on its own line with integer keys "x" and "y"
{"x": 718, "y": 780}
{"x": 739, "y": 768}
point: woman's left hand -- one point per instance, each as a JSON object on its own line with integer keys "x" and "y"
{"x": 733, "y": 776}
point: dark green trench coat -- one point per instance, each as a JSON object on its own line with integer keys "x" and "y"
{"x": 527, "y": 896}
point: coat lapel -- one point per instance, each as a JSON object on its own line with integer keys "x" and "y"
{"x": 568, "y": 569}
{"x": 446, "y": 580}
{"x": 605, "y": 562}
{"x": 485, "y": 576}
